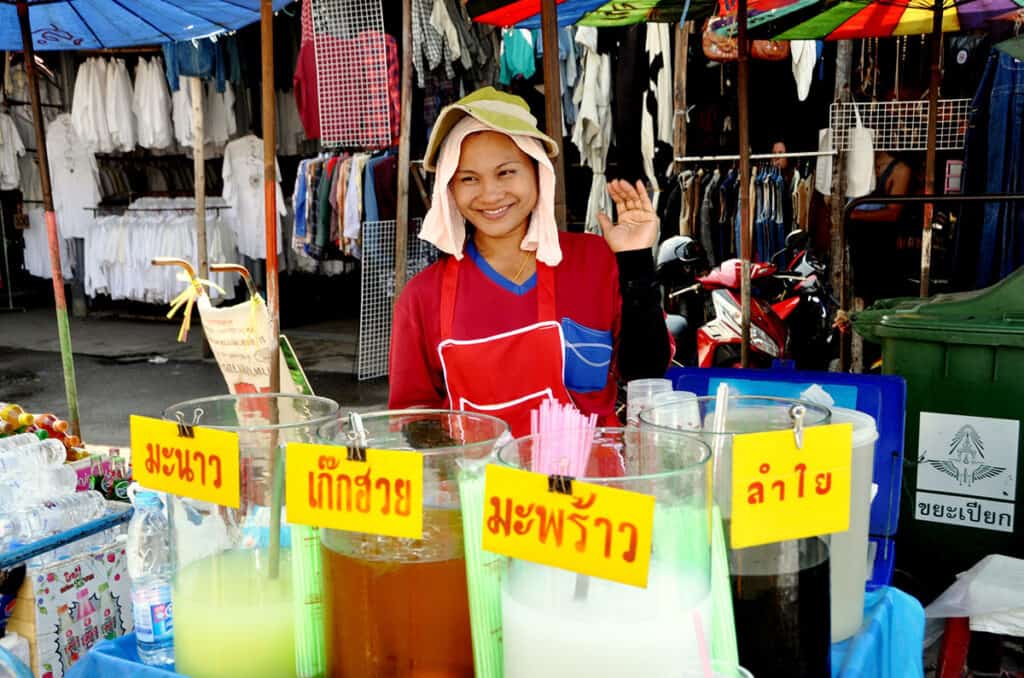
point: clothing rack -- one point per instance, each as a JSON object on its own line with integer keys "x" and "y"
{"x": 756, "y": 156}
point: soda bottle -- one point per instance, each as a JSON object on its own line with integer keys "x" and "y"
{"x": 149, "y": 566}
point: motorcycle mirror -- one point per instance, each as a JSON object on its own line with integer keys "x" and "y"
{"x": 797, "y": 240}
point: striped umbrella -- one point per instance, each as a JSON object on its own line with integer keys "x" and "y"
{"x": 851, "y": 19}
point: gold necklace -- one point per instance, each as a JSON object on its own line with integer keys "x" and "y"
{"x": 522, "y": 267}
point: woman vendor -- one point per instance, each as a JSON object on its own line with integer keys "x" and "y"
{"x": 519, "y": 312}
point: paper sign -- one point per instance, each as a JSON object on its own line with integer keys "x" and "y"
{"x": 381, "y": 495}
{"x": 596, "y": 530}
{"x": 781, "y": 492}
{"x": 202, "y": 464}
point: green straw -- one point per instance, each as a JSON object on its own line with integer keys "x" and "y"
{"x": 307, "y": 567}
{"x": 483, "y": 577}
{"x": 310, "y": 655}
{"x": 723, "y": 630}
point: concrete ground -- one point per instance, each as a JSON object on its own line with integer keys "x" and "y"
{"x": 125, "y": 367}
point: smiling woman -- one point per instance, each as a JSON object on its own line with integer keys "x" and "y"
{"x": 519, "y": 313}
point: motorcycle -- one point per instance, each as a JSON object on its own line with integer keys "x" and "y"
{"x": 790, "y": 313}
{"x": 680, "y": 262}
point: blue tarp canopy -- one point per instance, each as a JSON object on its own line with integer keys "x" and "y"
{"x": 96, "y": 24}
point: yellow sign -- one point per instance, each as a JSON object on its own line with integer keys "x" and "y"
{"x": 782, "y": 492}
{"x": 594, "y": 530}
{"x": 195, "y": 462}
{"x": 382, "y": 494}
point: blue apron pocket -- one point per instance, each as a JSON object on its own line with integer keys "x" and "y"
{"x": 588, "y": 355}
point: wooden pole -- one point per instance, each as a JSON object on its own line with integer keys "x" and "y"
{"x": 270, "y": 184}
{"x": 742, "y": 83}
{"x": 52, "y": 235}
{"x": 679, "y": 90}
{"x": 199, "y": 164}
{"x": 404, "y": 168}
{"x": 929, "y": 158}
{"x": 553, "y": 101}
{"x": 837, "y": 240}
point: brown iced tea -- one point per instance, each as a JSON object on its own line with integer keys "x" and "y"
{"x": 398, "y": 607}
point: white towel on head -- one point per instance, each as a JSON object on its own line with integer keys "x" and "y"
{"x": 445, "y": 227}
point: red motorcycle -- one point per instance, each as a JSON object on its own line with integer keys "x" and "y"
{"x": 718, "y": 341}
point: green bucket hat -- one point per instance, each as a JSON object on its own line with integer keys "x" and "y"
{"x": 506, "y": 112}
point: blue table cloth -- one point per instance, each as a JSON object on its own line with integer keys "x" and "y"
{"x": 888, "y": 645}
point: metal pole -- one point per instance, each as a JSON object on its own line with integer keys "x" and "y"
{"x": 553, "y": 101}
{"x": 837, "y": 244}
{"x": 270, "y": 184}
{"x": 199, "y": 165}
{"x": 929, "y": 161}
{"x": 60, "y": 302}
{"x": 742, "y": 82}
{"x": 404, "y": 168}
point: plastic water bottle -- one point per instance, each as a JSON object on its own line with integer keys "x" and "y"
{"x": 31, "y": 488}
{"x": 149, "y": 566}
{"x": 31, "y": 458}
{"x": 52, "y": 516}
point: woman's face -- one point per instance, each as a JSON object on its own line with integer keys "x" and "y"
{"x": 495, "y": 185}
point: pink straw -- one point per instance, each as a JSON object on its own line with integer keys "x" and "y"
{"x": 702, "y": 645}
{"x": 564, "y": 439}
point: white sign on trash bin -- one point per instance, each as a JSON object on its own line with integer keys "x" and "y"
{"x": 967, "y": 471}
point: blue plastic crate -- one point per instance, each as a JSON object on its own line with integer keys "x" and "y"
{"x": 883, "y": 397}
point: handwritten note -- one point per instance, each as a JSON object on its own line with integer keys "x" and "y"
{"x": 381, "y": 495}
{"x": 201, "y": 466}
{"x": 782, "y": 492}
{"x": 596, "y": 530}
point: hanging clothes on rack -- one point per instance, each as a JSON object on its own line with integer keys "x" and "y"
{"x": 74, "y": 175}
{"x": 656, "y": 120}
{"x": 593, "y": 131}
{"x": 89, "y": 106}
{"x": 16, "y": 89}
{"x": 151, "y": 104}
{"x": 243, "y": 192}
{"x": 120, "y": 101}
{"x": 11, "y": 148}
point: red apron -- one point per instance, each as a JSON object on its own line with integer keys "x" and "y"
{"x": 506, "y": 375}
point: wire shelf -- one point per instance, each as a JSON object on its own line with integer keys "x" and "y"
{"x": 378, "y": 291}
{"x": 902, "y": 125}
{"x": 352, "y": 73}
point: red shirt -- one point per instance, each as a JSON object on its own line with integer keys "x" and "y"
{"x": 588, "y": 305}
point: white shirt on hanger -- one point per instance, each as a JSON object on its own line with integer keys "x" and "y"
{"x": 89, "y": 106}
{"x": 74, "y": 176}
{"x": 152, "y": 105}
{"x": 11, "y": 148}
{"x": 243, "y": 192}
{"x": 181, "y": 103}
{"x": 120, "y": 99}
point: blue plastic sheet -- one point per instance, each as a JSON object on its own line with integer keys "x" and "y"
{"x": 889, "y": 645}
{"x": 93, "y": 24}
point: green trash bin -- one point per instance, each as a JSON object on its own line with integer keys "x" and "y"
{"x": 962, "y": 356}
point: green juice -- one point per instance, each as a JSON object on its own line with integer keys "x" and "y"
{"x": 231, "y": 619}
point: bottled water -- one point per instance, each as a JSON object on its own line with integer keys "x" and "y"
{"x": 18, "y": 440}
{"x": 58, "y": 514}
{"x": 149, "y": 566}
{"x": 31, "y": 488}
{"x": 30, "y": 458}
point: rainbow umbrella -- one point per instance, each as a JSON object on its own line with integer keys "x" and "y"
{"x": 526, "y": 13}
{"x": 853, "y": 19}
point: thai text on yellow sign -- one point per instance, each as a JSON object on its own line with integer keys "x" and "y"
{"x": 195, "y": 462}
{"x": 781, "y": 491}
{"x": 593, "y": 530}
{"x": 382, "y": 494}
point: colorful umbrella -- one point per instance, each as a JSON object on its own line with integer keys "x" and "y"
{"x": 850, "y": 19}
{"x": 526, "y": 13}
